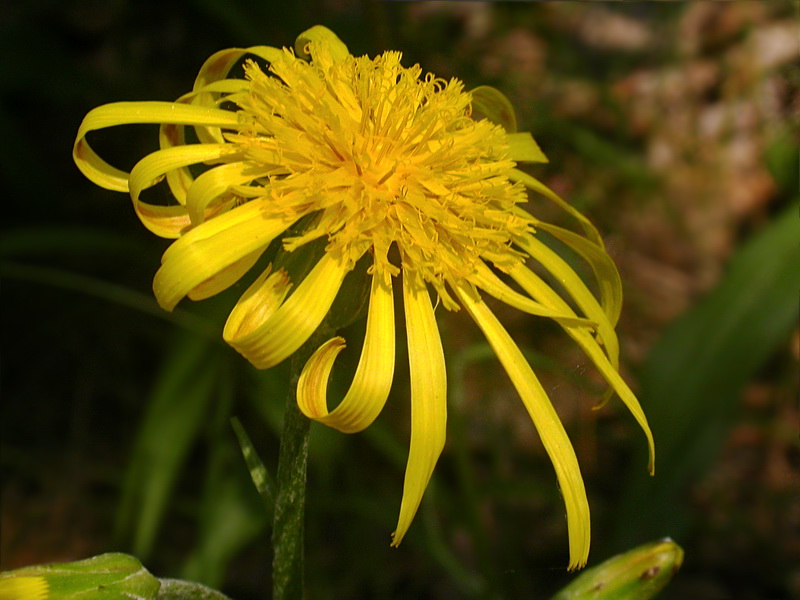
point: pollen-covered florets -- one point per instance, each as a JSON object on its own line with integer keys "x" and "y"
{"x": 382, "y": 155}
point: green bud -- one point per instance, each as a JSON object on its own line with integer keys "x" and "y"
{"x": 104, "y": 577}
{"x": 639, "y": 574}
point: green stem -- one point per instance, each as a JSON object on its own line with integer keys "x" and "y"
{"x": 290, "y": 499}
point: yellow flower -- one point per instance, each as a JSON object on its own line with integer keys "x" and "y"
{"x": 384, "y": 164}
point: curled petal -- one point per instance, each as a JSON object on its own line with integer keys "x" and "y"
{"x": 148, "y": 171}
{"x": 165, "y": 221}
{"x": 215, "y": 182}
{"x": 171, "y": 135}
{"x": 321, "y": 35}
{"x": 537, "y": 288}
{"x": 218, "y": 65}
{"x": 546, "y": 420}
{"x": 213, "y": 246}
{"x": 575, "y": 287}
{"x": 493, "y": 285}
{"x": 428, "y": 399}
{"x": 213, "y": 73}
{"x": 265, "y": 338}
{"x": 495, "y": 106}
{"x": 260, "y": 302}
{"x": 605, "y": 271}
{"x": 373, "y": 378}
{"x": 27, "y": 587}
{"x": 226, "y": 277}
{"x": 128, "y": 113}
{"x": 537, "y": 186}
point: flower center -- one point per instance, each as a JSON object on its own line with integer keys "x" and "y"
{"x": 382, "y": 156}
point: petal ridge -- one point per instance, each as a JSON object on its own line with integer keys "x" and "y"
{"x": 428, "y": 399}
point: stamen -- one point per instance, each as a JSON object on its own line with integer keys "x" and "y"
{"x": 340, "y": 133}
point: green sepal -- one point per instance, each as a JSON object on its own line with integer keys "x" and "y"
{"x": 639, "y": 574}
{"x": 110, "y": 576}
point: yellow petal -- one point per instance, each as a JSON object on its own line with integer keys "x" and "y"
{"x": 428, "y": 399}
{"x": 266, "y": 338}
{"x": 165, "y": 221}
{"x": 538, "y": 289}
{"x": 373, "y": 378}
{"x": 179, "y": 180}
{"x": 257, "y": 211}
{"x": 171, "y": 134}
{"x": 523, "y": 148}
{"x": 546, "y": 420}
{"x": 259, "y": 302}
{"x": 218, "y": 65}
{"x": 605, "y": 270}
{"x": 214, "y": 183}
{"x": 575, "y": 287}
{"x": 493, "y": 285}
{"x": 211, "y": 247}
{"x": 210, "y": 82}
{"x": 128, "y": 113}
{"x": 149, "y": 171}
{"x": 226, "y": 277}
{"x": 537, "y": 186}
{"x": 319, "y": 33}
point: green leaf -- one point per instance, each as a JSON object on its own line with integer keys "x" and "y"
{"x": 106, "y": 577}
{"x": 258, "y": 472}
{"x": 781, "y": 159}
{"x": 693, "y": 378}
{"x": 175, "y": 415}
{"x": 231, "y": 516}
{"x": 639, "y": 574}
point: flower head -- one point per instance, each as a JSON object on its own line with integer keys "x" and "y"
{"x": 380, "y": 163}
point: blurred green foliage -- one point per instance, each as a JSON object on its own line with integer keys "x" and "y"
{"x": 695, "y": 375}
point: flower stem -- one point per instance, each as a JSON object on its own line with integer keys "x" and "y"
{"x": 288, "y": 520}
